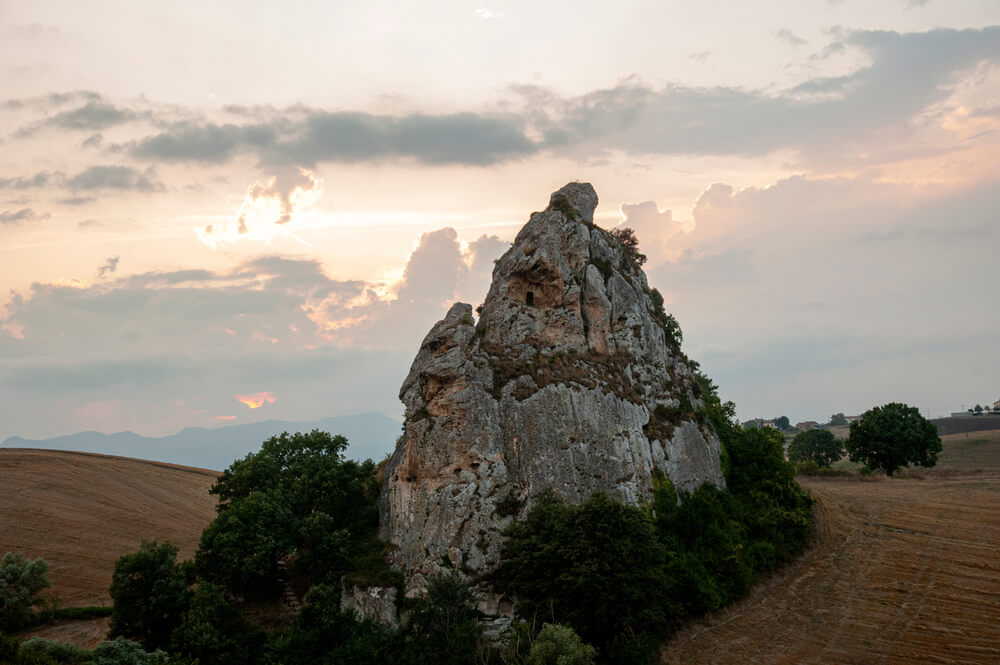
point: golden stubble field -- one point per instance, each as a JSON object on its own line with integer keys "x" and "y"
{"x": 81, "y": 511}
{"x": 903, "y": 570}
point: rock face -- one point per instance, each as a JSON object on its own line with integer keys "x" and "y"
{"x": 569, "y": 381}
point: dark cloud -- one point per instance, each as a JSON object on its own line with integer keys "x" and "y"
{"x": 109, "y": 266}
{"x": 93, "y": 115}
{"x": 54, "y": 99}
{"x": 22, "y": 215}
{"x": 306, "y": 137}
{"x": 826, "y": 116}
{"x": 76, "y": 200}
{"x": 40, "y": 179}
{"x": 115, "y": 177}
{"x": 789, "y": 37}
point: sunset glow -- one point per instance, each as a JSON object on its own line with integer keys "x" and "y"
{"x": 814, "y": 184}
{"x": 256, "y": 400}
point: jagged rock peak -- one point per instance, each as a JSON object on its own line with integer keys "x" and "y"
{"x": 569, "y": 380}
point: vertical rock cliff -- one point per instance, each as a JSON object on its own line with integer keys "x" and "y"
{"x": 568, "y": 380}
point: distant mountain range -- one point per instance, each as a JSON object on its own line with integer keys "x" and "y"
{"x": 371, "y": 435}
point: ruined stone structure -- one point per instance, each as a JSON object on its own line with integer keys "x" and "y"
{"x": 568, "y": 380}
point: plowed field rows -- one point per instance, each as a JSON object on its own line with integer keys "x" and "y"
{"x": 904, "y": 570}
{"x": 80, "y": 512}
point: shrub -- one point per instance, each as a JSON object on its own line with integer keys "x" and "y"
{"x": 40, "y": 650}
{"x": 559, "y": 645}
{"x": 443, "y": 627}
{"x": 126, "y": 652}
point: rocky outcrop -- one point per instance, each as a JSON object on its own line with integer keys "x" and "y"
{"x": 568, "y": 380}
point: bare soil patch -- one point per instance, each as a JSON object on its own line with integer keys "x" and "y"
{"x": 903, "y": 570}
{"x": 81, "y": 511}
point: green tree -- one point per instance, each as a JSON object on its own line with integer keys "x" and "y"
{"x": 443, "y": 628}
{"x": 566, "y": 561}
{"x": 630, "y": 243}
{"x": 150, "y": 593}
{"x": 818, "y": 445}
{"x": 296, "y": 496}
{"x": 21, "y": 582}
{"x": 838, "y": 420}
{"x": 782, "y": 423}
{"x": 978, "y": 409}
{"x": 893, "y": 436}
{"x": 559, "y": 645}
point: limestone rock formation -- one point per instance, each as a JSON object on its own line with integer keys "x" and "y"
{"x": 568, "y": 380}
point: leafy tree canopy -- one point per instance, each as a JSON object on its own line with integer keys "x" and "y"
{"x": 21, "y": 582}
{"x": 297, "y": 495}
{"x": 150, "y": 594}
{"x": 818, "y": 445}
{"x": 838, "y": 420}
{"x": 893, "y": 436}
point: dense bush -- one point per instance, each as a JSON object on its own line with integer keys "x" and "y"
{"x": 559, "y": 645}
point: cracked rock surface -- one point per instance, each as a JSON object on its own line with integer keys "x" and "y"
{"x": 567, "y": 381}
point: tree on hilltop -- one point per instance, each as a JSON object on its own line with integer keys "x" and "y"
{"x": 893, "y": 436}
{"x": 838, "y": 420}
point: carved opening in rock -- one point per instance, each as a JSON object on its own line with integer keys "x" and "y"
{"x": 539, "y": 286}
{"x": 505, "y": 606}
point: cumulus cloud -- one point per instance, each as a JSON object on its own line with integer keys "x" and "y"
{"x": 275, "y": 321}
{"x": 22, "y": 215}
{"x": 654, "y": 229}
{"x": 267, "y": 208}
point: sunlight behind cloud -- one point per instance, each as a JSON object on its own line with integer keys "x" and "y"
{"x": 256, "y": 400}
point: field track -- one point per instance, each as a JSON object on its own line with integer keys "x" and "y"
{"x": 81, "y": 511}
{"x": 903, "y": 570}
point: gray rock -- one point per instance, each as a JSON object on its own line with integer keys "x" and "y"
{"x": 567, "y": 382}
{"x": 376, "y": 603}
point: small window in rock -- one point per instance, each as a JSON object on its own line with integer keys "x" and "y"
{"x": 529, "y": 298}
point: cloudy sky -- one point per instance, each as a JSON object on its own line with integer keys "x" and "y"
{"x": 224, "y": 212}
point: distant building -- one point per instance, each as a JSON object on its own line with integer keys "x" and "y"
{"x": 851, "y": 419}
{"x": 806, "y": 425}
{"x": 996, "y": 405}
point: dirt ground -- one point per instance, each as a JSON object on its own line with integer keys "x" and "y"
{"x": 903, "y": 570}
{"x": 81, "y": 511}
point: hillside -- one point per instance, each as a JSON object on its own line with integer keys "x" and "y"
{"x": 371, "y": 435}
{"x": 903, "y": 571}
{"x": 80, "y": 512}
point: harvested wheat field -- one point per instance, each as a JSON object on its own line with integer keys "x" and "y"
{"x": 81, "y": 511}
{"x": 904, "y": 570}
